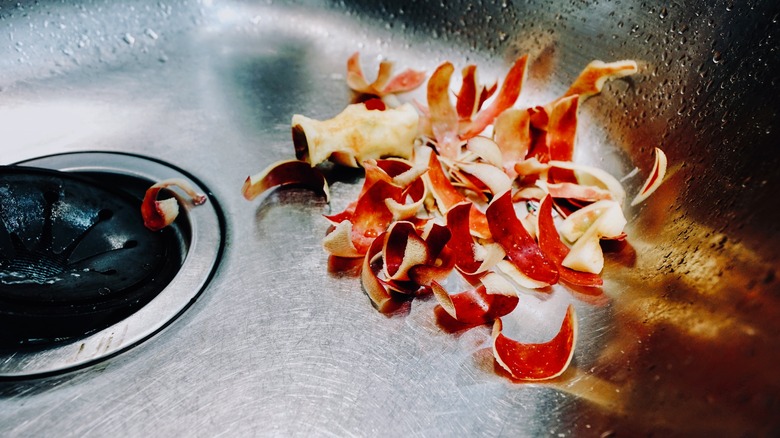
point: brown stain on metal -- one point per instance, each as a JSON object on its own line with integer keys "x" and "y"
{"x": 695, "y": 335}
{"x": 78, "y": 353}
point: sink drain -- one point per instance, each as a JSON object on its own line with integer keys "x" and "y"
{"x": 81, "y": 278}
{"x": 74, "y": 256}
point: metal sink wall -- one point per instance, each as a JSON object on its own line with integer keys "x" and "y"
{"x": 685, "y": 341}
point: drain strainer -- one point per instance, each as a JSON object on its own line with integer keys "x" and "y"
{"x": 74, "y": 257}
{"x": 81, "y": 278}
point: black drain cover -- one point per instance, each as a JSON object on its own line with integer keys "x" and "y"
{"x": 74, "y": 254}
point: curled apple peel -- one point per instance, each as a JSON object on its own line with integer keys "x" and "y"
{"x": 443, "y": 115}
{"x": 159, "y": 214}
{"x": 521, "y": 249}
{"x": 551, "y": 245}
{"x": 654, "y": 180}
{"x": 285, "y": 173}
{"x": 592, "y": 79}
{"x": 473, "y": 258}
{"x": 586, "y": 254}
{"x": 534, "y": 362}
{"x": 593, "y": 176}
{"x": 493, "y": 298}
{"x": 384, "y": 83}
{"x": 507, "y": 96}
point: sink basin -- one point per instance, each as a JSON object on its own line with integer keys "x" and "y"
{"x": 684, "y": 340}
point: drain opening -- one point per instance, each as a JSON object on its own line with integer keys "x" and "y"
{"x": 75, "y": 257}
{"x": 198, "y": 235}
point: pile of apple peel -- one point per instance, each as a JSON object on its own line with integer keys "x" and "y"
{"x": 478, "y": 189}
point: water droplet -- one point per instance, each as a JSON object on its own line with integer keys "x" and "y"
{"x": 104, "y": 291}
{"x": 129, "y": 39}
{"x": 664, "y": 13}
{"x": 717, "y": 57}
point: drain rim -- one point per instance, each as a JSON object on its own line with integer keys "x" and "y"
{"x": 205, "y": 249}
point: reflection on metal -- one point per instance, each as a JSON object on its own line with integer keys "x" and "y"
{"x": 22, "y": 125}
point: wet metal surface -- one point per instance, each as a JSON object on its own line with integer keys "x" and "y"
{"x": 684, "y": 341}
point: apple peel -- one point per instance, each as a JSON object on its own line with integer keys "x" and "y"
{"x": 586, "y": 254}
{"x": 403, "y": 249}
{"x": 286, "y": 173}
{"x": 446, "y": 196}
{"x": 593, "y": 176}
{"x": 443, "y": 116}
{"x": 374, "y": 210}
{"x": 507, "y": 96}
{"x": 521, "y": 249}
{"x": 575, "y": 191}
{"x": 472, "y": 258}
{"x": 551, "y": 245}
{"x": 159, "y": 214}
{"x": 441, "y": 260}
{"x": 493, "y": 298}
{"x": 654, "y": 180}
{"x": 577, "y": 223}
{"x": 512, "y": 134}
{"x": 373, "y": 287}
{"x": 472, "y": 94}
{"x": 592, "y": 79}
{"x": 490, "y": 176}
{"x": 510, "y": 271}
{"x": 384, "y": 84}
{"x": 339, "y": 241}
{"x": 537, "y": 362}
{"x": 486, "y": 149}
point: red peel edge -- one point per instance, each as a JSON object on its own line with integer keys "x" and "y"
{"x": 535, "y": 362}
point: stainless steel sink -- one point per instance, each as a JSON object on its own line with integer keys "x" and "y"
{"x": 684, "y": 342}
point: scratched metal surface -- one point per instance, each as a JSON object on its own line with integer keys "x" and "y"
{"x": 684, "y": 341}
